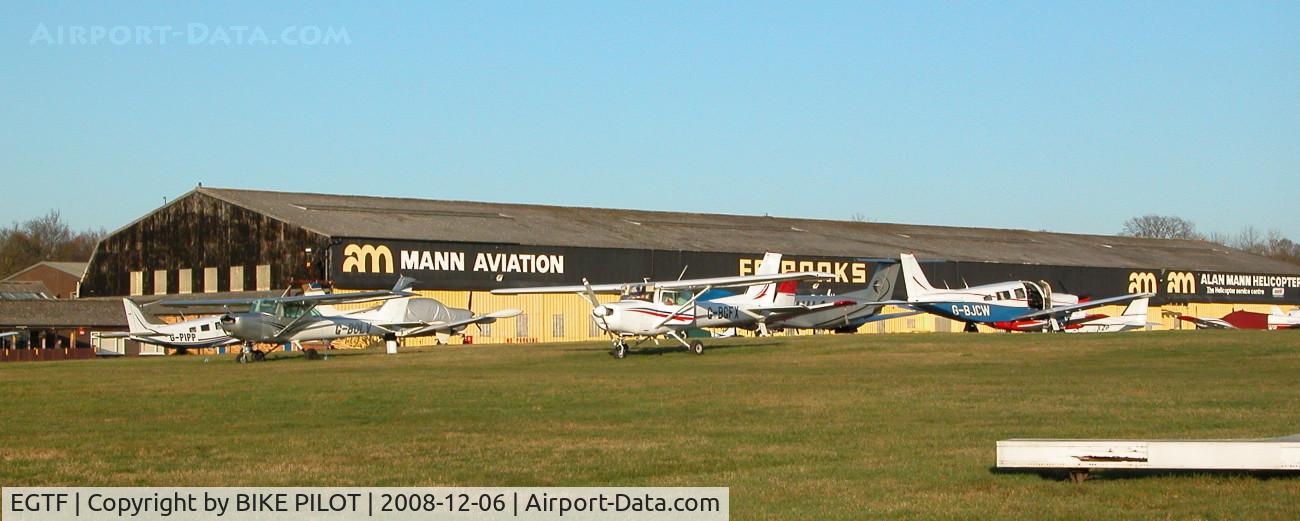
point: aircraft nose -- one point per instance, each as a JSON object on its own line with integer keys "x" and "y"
{"x": 229, "y": 323}
{"x": 603, "y": 314}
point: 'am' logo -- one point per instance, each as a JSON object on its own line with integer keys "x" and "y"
{"x": 1181, "y": 282}
{"x": 1141, "y": 282}
{"x": 366, "y": 258}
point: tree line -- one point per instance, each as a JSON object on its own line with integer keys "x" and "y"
{"x": 45, "y": 238}
{"x": 1270, "y": 244}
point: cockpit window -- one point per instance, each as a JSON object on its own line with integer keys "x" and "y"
{"x": 1020, "y": 293}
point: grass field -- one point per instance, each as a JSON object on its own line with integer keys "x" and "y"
{"x": 844, "y": 427}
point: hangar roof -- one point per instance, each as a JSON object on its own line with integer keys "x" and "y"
{"x": 541, "y": 225}
{"x": 62, "y": 313}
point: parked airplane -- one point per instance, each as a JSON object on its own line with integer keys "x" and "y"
{"x": 840, "y": 319}
{"x": 1242, "y": 319}
{"x": 648, "y": 310}
{"x": 195, "y": 333}
{"x": 847, "y": 319}
{"x": 297, "y": 319}
{"x": 1134, "y": 316}
{"x": 1004, "y": 302}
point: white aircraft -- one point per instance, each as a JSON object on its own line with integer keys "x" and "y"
{"x": 997, "y": 303}
{"x": 195, "y": 333}
{"x": 1242, "y": 319}
{"x": 1133, "y": 317}
{"x": 298, "y": 318}
{"x": 648, "y": 310}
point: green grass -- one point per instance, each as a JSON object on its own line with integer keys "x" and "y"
{"x": 845, "y": 427}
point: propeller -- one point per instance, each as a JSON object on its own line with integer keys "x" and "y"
{"x": 597, "y": 310}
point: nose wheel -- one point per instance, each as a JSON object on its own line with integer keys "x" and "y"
{"x": 619, "y": 351}
{"x": 697, "y": 347}
{"x": 250, "y": 355}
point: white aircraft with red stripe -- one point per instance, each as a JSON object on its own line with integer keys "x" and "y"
{"x": 648, "y": 310}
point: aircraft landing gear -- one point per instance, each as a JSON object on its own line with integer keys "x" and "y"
{"x": 250, "y": 355}
{"x": 697, "y": 347}
{"x": 971, "y": 328}
{"x": 620, "y": 349}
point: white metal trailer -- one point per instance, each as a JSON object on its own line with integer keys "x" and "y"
{"x": 1080, "y": 456}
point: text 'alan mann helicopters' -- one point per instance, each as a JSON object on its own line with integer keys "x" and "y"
{"x": 647, "y": 310}
{"x": 308, "y": 318}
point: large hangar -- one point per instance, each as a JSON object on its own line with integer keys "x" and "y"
{"x": 219, "y": 240}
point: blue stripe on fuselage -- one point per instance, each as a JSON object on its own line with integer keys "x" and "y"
{"x": 973, "y": 311}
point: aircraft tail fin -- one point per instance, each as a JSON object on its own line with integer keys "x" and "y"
{"x": 1277, "y": 311}
{"x": 1137, "y": 308}
{"x": 136, "y": 319}
{"x": 766, "y": 293}
{"x": 914, "y": 278}
{"x": 785, "y": 291}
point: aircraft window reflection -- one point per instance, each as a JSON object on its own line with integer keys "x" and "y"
{"x": 1020, "y": 293}
{"x": 298, "y": 310}
{"x": 264, "y": 306}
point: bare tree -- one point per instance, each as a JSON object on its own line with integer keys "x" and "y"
{"x": 1160, "y": 227}
{"x": 1219, "y": 238}
{"x": 44, "y": 238}
{"x": 1249, "y": 240}
{"x": 858, "y": 217}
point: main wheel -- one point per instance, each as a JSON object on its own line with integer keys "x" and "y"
{"x": 697, "y": 347}
{"x": 620, "y": 350}
{"x": 258, "y": 356}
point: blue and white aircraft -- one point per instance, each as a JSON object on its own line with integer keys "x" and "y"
{"x": 998, "y": 302}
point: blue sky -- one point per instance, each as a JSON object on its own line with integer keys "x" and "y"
{"x": 1059, "y": 116}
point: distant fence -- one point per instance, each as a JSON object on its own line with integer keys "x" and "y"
{"x": 37, "y": 355}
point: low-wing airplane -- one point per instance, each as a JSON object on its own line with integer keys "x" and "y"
{"x": 298, "y": 319}
{"x": 194, "y": 333}
{"x": 1133, "y": 317}
{"x": 648, "y": 310}
{"x": 1241, "y": 319}
{"x": 847, "y": 319}
{"x": 1004, "y": 302}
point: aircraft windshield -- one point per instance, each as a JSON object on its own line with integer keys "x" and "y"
{"x": 299, "y": 309}
{"x": 265, "y": 306}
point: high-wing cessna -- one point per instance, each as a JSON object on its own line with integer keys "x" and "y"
{"x": 998, "y": 302}
{"x": 1242, "y": 319}
{"x": 648, "y": 310}
{"x": 299, "y": 319}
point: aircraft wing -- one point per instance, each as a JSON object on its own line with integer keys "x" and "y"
{"x": 425, "y": 328}
{"x": 744, "y": 280}
{"x": 771, "y": 313}
{"x": 1208, "y": 324}
{"x": 1084, "y": 305}
{"x": 332, "y": 298}
{"x": 595, "y": 288}
{"x": 127, "y": 334}
{"x": 715, "y": 282}
{"x": 11, "y": 333}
